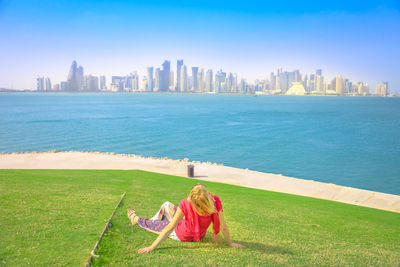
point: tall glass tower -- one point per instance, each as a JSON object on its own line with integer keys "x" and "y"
{"x": 209, "y": 81}
{"x": 150, "y": 79}
{"x": 195, "y": 84}
{"x": 165, "y": 75}
{"x": 73, "y": 81}
{"x": 179, "y": 64}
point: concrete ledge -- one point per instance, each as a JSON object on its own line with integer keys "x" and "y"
{"x": 203, "y": 171}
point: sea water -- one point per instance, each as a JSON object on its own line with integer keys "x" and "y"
{"x": 351, "y": 141}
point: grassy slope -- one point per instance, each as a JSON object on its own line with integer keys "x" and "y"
{"x": 67, "y": 210}
{"x": 54, "y": 217}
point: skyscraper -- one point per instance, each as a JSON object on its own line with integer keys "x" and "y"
{"x": 339, "y": 84}
{"x": 382, "y": 89}
{"x": 85, "y": 83}
{"x": 48, "y": 84}
{"x": 345, "y": 86}
{"x": 220, "y": 81}
{"x": 134, "y": 81}
{"x": 40, "y": 83}
{"x": 190, "y": 82}
{"x": 200, "y": 80}
{"x": 366, "y": 89}
{"x": 319, "y": 84}
{"x": 319, "y": 72}
{"x": 283, "y": 78}
{"x": 305, "y": 83}
{"x": 184, "y": 79}
{"x": 297, "y": 76}
{"x": 64, "y": 86}
{"x": 144, "y": 84}
{"x": 349, "y": 87}
{"x": 117, "y": 83}
{"x": 272, "y": 82}
{"x": 103, "y": 85}
{"x": 157, "y": 79}
{"x": 311, "y": 85}
{"x": 278, "y": 83}
{"x": 164, "y": 76}
{"x": 229, "y": 82}
{"x": 127, "y": 83}
{"x": 73, "y": 82}
{"x": 171, "y": 80}
{"x": 195, "y": 86}
{"x": 235, "y": 84}
{"x": 80, "y": 77}
{"x": 385, "y": 88}
{"x": 243, "y": 86}
{"x": 92, "y": 83}
{"x": 360, "y": 88}
{"x": 291, "y": 78}
{"x": 179, "y": 64}
{"x": 209, "y": 81}
{"x": 150, "y": 79}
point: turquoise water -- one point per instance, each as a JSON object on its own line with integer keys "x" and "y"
{"x": 343, "y": 140}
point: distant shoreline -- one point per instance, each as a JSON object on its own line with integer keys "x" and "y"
{"x": 203, "y": 171}
{"x": 185, "y": 93}
{"x": 3, "y": 90}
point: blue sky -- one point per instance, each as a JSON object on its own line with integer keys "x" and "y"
{"x": 358, "y": 39}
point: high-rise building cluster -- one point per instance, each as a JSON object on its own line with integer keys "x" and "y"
{"x": 43, "y": 84}
{"x": 284, "y": 82}
{"x": 199, "y": 80}
{"x": 382, "y": 89}
{"x": 76, "y": 82}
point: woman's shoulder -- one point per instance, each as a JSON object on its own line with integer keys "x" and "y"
{"x": 215, "y": 197}
{"x": 217, "y": 202}
{"x": 183, "y": 202}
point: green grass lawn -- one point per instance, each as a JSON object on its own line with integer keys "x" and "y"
{"x": 54, "y": 217}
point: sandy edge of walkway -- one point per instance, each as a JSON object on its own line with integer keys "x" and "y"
{"x": 203, "y": 171}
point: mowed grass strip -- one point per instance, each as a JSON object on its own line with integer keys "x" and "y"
{"x": 54, "y": 217}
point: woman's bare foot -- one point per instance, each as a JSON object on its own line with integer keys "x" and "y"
{"x": 132, "y": 216}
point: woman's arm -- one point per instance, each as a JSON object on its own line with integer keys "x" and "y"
{"x": 225, "y": 231}
{"x": 165, "y": 232}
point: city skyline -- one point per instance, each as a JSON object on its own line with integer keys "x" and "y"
{"x": 357, "y": 38}
{"x": 165, "y": 79}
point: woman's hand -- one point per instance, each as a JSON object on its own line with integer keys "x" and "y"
{"x": 236, "y": 245}
{"x": 145, "y": 250}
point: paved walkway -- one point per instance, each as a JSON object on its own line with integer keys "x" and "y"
{"x": 203, "y": 171}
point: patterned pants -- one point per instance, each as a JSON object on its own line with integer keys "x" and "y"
{"x": 160, "y": 220}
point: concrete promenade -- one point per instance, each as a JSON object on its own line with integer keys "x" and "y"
{"x": 203, "y": 171}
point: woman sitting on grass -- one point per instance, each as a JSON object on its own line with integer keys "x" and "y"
{"x": 188, "y": 222}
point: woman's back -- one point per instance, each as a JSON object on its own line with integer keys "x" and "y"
{"x": 194, "y": 226}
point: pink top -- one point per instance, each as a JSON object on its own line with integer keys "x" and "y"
{"x": 195, "y": 229}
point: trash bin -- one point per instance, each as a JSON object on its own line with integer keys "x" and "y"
{"x": 190, "y": 170}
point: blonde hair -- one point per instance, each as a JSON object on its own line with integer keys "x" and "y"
{"x": 202, "y": 201}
